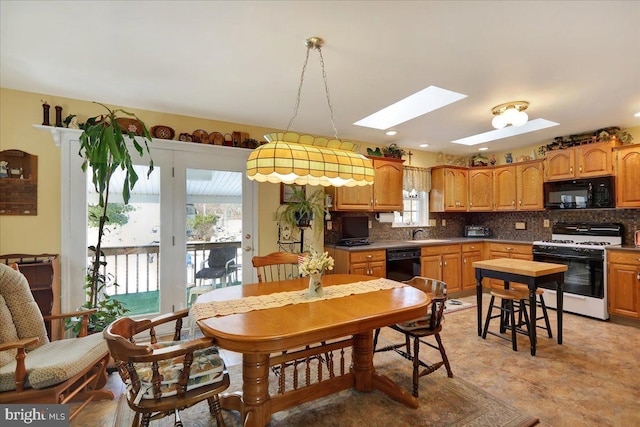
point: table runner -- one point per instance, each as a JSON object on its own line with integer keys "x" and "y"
{"x": 200, "y": 311}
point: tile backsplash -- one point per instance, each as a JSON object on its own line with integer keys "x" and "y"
{"x": 501, "y": 224}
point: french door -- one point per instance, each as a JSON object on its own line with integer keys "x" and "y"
{"x": 150, "y": 251}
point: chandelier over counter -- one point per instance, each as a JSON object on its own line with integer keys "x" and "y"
{"x": 292, "y": 158}
{"x": 510, "y": 113}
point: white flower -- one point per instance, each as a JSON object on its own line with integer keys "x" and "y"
{"x": 316, "y": 263}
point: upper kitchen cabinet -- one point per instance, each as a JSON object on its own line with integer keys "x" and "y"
{"x": 583, "y": 161}
{"x": 448, "y": 189}
{"x": 481, "y": 189}
{"x": 385, "y": 195}
{"x": 529, "y": 179}
{"x": 512, "y": 187}
{"x": 627, "y": 160}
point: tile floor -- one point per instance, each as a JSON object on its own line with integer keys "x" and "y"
{"x": 593, "y": 379}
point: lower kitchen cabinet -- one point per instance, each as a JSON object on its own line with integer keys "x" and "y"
{"x": 442, "y": 263}
{"x": 508, "y": 250}
{"x": 623, "y": 279}
{"x": 368, "y": 263}
{"x": 471, "y": 252}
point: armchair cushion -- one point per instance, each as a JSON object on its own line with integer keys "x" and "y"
{"x": 8, "y": 333}
{"x": 55, "y": 362}
{"x": 207, "y": 368}
{"x": 25, "y": 314}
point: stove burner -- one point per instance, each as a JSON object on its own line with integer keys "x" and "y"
{"x": 593, "y": 243}
{"x": 558, "y": 241}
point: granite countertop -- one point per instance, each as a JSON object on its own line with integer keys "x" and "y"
{"x": 392, "y": 244}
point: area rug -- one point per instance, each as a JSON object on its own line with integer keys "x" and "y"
{"x": 452, "y": 305}
{"x": 443, "y": 402}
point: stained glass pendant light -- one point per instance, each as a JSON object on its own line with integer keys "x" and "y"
{"x": 292, "y": 158}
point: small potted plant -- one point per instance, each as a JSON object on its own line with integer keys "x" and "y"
{"x": 394, "y": 151}
{"x": 300, "y": 210}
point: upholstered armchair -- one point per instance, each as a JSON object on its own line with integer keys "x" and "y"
{"x": 34, "y": 369}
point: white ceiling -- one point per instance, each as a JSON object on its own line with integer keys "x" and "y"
{"x": 576, "y": 62}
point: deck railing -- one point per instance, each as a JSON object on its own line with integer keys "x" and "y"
{"x": 137, "y": 268}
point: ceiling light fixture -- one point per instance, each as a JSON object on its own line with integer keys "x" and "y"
{"x": 391, "y": 132}
{"x": 510, "y": 113}
{"x": 483, "y": 148}
{"x": 637, "y": 114}
{"x": 292, "y": 158}
{"x": 423, "y": 145}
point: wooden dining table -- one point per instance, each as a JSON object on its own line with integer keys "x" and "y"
{"x": 531, "y": 273}
{"x": 266, "y": 333}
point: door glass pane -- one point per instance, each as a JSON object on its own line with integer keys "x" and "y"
{"x": 213, "y": 230}
{"x": 131, "y": 242}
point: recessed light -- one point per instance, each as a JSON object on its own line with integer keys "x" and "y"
{"x": 391, "y": 132}
{"x": 422, "y": 102}
{"x": 637, "y": 114}
{"x": 483, "y": 148}
{"x": 530, "y": 126}
{"x": 423, "y": 145}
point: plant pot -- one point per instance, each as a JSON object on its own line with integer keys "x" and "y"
{"x": 303, "y": 220}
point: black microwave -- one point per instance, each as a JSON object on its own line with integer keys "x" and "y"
{"x": 590, "y": 193}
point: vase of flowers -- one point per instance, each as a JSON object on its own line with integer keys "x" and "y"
{"x": 314, "y": 266}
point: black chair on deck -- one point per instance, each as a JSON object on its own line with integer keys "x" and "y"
{"x": 221, "y": 264}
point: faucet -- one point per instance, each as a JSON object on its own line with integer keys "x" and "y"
{"x": 413, "y": 235}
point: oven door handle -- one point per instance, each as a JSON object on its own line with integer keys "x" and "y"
{"x": 561, "y": 257}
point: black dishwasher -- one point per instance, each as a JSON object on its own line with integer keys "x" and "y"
{"x": 403, "y": 263}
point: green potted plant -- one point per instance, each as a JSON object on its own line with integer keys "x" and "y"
{"x": 300, "y": 210}
{"x": 393, "y": 150}
{"x": 103, "y": 147}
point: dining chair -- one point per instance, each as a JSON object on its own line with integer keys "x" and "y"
{"x": 165, "y": 377}
{"x": 34, "y": 369}
{"x": 420, "y": 329}
{"x": 276, "y": 266}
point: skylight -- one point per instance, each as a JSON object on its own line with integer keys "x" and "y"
{"x": 422, "y": 102}
{"x": 530, "y": 126}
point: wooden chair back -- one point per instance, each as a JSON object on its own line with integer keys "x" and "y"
{"x": 176, "y": 355}
{"x": 276, "y": 266}
{"x": 437, "y": 289}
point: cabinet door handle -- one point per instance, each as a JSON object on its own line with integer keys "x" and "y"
{"x": 580, "y": 169}
{"x": 509, "y": 249}
{"x": 571, "y": 169}
{"x": 445, "y": 263}
{"x": 440, "y": 263}
{"x": 464, "y": 260}
{"x": 368, "y": 256}
{"x": 513, "y": 203}
{"x": 638, "y": 276}
{"x": 371, "y": 202}
{"x": 520, "y": 202}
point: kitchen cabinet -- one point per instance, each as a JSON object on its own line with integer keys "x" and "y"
{"x": 583, "y": 161}
{"x": 508, "y": 250}
{"x": 448, "y": 189}
{"x": 385, "y": 195}
{"x": 529, "y": 185}
{"x": 627, "y": 162}
{"x": 368, "y": 263}
{"x": 518, "y": 187}
{"x": 504, "y": 188}
{"x": 480, "y": 189}
{"x": 442, "y": 263}
{"x": 623, "y": 278}
{"x": 471, "y": 252}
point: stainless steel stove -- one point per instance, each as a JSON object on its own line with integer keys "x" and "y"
{"x": 581, "y": 246}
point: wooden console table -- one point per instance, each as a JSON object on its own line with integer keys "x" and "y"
{"x": 531, "y": 273}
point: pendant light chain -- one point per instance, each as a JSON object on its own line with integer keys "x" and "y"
{"x": 326, "y": 90}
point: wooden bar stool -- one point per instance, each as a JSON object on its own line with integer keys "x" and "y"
{"x": 541, "y": 304}
{"x": 509, "y": 299}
